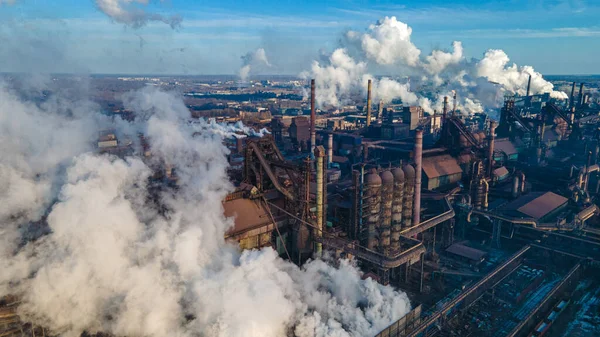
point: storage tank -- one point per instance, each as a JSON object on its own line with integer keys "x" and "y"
{"x": 387, "y": 197}
{"x": 373, "y": 207}
{"x": 409, "y": 192}
{"x": 397, "y": 206}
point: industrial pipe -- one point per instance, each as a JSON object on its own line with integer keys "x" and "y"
{"x": 418, "y": 168}
{"x": 313, "y": 118}
{"x": 330, "y": 150}
{"x": 369, "y": 103}
{"x": 320, "y": 155}
{"x": 491, "y": 148}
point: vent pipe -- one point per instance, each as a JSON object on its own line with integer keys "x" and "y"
{"x": 369, "y": 103}
{"x": 313, "y": 118}
{"x": 418, "y": 168}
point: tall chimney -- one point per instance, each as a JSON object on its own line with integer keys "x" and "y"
{"x": 369, "y": 104}
{"x": 572, "y": 101}
{"x": 330, "y": 150}
{"x": 445, "y": 110}
{"x": 313, "y": 118}
{"x": 581, "y": 94}
{"x": 492, "y": 138}
{"x": 528, "y": 85}
{"x": 454, "y": 105}
{"x": 418, "y": 168}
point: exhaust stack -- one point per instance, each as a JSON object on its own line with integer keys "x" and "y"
{"x": 528, "y": 85}
{"x": 313, "y": 118}
{"x": 320, "y": 155}
{"x": 445, "y": 110}
{"x": 369, "y": 103}
{"x": 418, "y": 168}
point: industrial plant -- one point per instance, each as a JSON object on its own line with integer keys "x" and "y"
{"x": 490, "y": 225}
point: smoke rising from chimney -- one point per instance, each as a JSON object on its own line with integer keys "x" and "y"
{"x": 387, "y": 46}
{"x": 113, "y": 261}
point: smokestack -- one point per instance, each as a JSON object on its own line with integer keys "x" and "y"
{"x": 380, "y": 112}
{"x": 418, "y": 168}
{"x": 572, "y": 101}
{"x": 581, "y": 94}
{"x": 454, "y": 105}
{"x": 330, "y": 150}
{"x": 369, "y": 104}
{"x": 320, "y": 155}
{"x": 491, "y": 147}
{"x": 445, "y": 110}
{"x": 528, "y": 85}
{"x": 313, "y": 118}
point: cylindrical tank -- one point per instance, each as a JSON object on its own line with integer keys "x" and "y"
{"x": 409, "y": 192}
{"x": 515, "y": 186}
{"x": 373, "y": 207}
{"x": 397, "y": 207}
{"x": 387, "y": 197}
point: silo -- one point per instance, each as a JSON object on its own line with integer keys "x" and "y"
{"x": 373, "y": 207}
{"x": 409, "y": 192}
{"x": 397, "y": 206}
{"x": 387, "y": 197}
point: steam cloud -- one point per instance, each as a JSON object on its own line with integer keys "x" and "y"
{"x": 386, "y": 46}
{"x": 253, "y": 61}
{"x": 116, "y": 262}
{"x": 126, "y": 12}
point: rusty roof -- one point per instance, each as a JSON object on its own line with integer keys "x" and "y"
{"x": 248, "y": 214}
{"x": 466, "y": 251}
{"x": 542, "y": 205}
{"x": 439, "y": 166}
{"x": 506, "y": 146}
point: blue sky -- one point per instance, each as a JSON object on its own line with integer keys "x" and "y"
{"x": 556, "y": 37}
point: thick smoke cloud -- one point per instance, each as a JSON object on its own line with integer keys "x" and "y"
{"x": 387, "y": 47}
{"x": 114, "y": 261}
{"x": 255, "y": 61}
{"x": 126, "y": 12}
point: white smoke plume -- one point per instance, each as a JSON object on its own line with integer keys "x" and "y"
{"x": 116, "y": 262}
{"x": 255, "y": 61}
{"x": 386, "y": 46}
{"x": 128, "y": 13}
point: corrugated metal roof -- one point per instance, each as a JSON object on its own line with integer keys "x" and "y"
{"x": 506, "y": 146}
{"x": 248, "y": 214}
{"x": 467, "y": 252}
{"x": 439, "y": 166}
{"x": 542, "y": 205}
